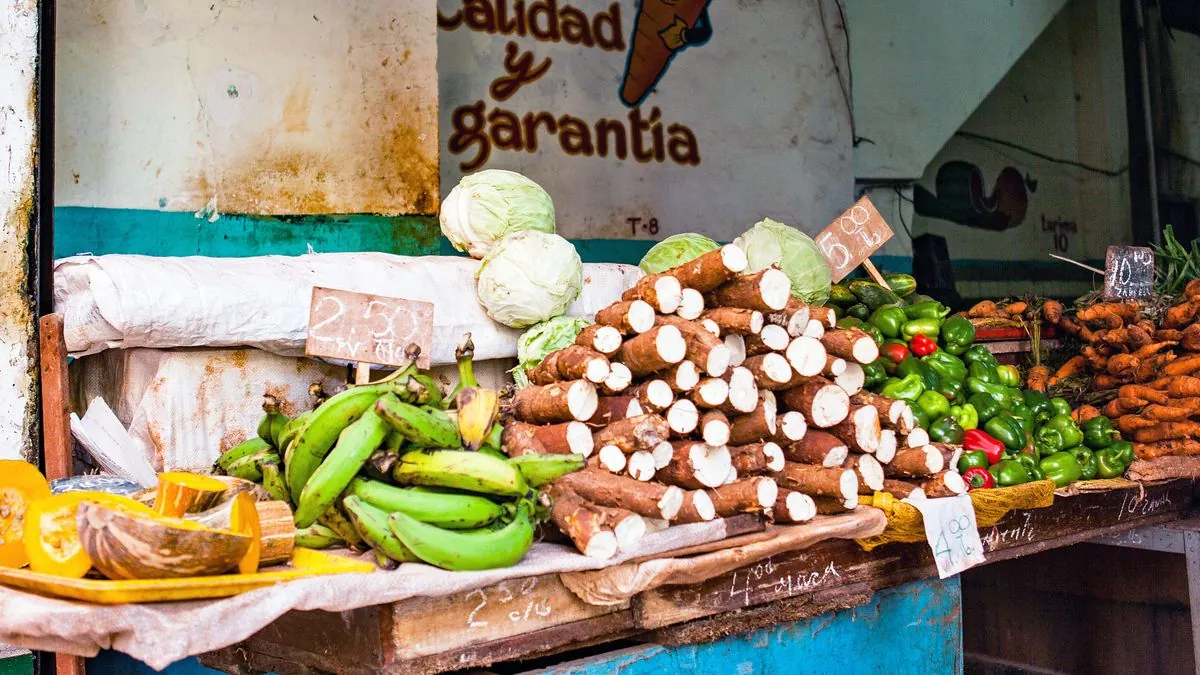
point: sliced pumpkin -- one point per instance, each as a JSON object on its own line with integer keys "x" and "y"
{"x": 52, "y": 535}
{"x": 243, "y": 520}
{"x": 180, "y": 493}
{"x": 20, "y": 485}
{"x": 277, "y": 526}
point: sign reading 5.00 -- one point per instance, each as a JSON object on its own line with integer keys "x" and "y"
{"x": 952, "y": 533}
{"x": 852, "y": 238}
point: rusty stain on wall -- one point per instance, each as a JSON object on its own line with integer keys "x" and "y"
{"x": 18, "y": 136}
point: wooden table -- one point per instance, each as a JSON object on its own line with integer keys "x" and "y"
{"x": 538, "y": 617}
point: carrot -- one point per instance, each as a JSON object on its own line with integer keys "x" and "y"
{"x": 1181, "y": 447}
{"x": 1152, "y": 349}
{"x": 1138, "y": 337}
{"x": 1070, "y": 325}
{"x": 1183, "y": 366}
{"x": 1192, "y": 402}
{"x": 1095, "y": 359}
{"x": 1123, "y": 364}
{"x": 1165, "y": 431}
{"x": 1073, "y": 366}
{"x": 1088, "y": 335}
{"x": 1153, "y": 367}
{"x": 1127, "y": 424}
{"x": 1192, "y": 290}
{"x": 1123, "y": 406}
{"x": 1016, "y": 308}
{"x": 1084, "y": 413}
{"x": 1106, "y": 381}
{"x": 1168, "y": 335}
{"x": 1181, "y": 315}
{"x": 1052, "y": 310}
{"x": 982, "y": 310}
{"x": 1181, "y": 387}
{"x": 1143, "y": 392}
{"x": 1124, "y": 312}
{"x": 1161, "y": 383}
{"x": 1147, "y": 325}
{"x": 1191, "y": 338}
{"x": 1036, "y": 380}
{"x": 1166, "y": 413}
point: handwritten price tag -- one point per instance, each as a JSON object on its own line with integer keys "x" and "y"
{"x": 1128, "y": 273}
{"x": 952, "y": 533}
{"x": 852, "y": 238}
{"x": 368, "y": 328}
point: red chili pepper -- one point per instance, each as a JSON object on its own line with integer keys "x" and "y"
{"x": 978, "y": 478}
{"x": 922, "y": 345}
{"x": 978, "y": 439}
{"x": 894, "y": 352}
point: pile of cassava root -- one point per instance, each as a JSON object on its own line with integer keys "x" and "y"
{"x": 706, "y": 392}
{"x": 1154, "y": 369}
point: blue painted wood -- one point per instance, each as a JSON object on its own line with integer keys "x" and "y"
{"x": 915, "y": 628}
{"x": 116, "y": 663}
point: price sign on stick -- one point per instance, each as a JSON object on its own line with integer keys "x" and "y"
{"x": 951, "y": 532}
{"x": 1128, "y": 273}
{"x": 850, "y": 240}
{"x": 368, "y": 328}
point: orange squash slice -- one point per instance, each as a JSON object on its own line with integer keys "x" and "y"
{"x": 52, "y": 535}
{"x": 180, "y": 493}
{"x": 20, "y": 485}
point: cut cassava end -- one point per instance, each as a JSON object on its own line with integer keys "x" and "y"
{"x": 611, "y": 459}
{"x": 618, "y": 380}
{"x": 710, "y": 326}
{"x": 632, "y": 434}
{"x": 822, "y": 402}
{"x": 654, "y": 395}
{"x": 757, "y": 458}
{"x": 748, "y": 495}
{"x": 807, "y": 356}
{"x": 735, "y": 321}
{"x": 860, "y": 430}
{"x": 893, "y": 413}
{"x": 834, "y": 366}
{"x": 869, "y": 472}
{"x": 696, "y": 465}
{"x": 902, "y": 488}
{"x": 737, "y": 349}
{"x": 743, "y": 393}
{"x": 697, "y": 508}
{"x": 950, "y": 454}
{"x": 921, "y": 462}
{"x": 826, "y": 315}
{"x": 714, "y": 428}
{"x": 627, "y": 525}
{"x": 682, "y": 417}
{"x": 945, "y": 484}
{"x": 776, "y": 338}
{"x": 819, "y": 481}
{"x": 765, "y": 291}
{"x": 793, "y": 318}
{"x": 851, "y": 344}
{"x": 791, "y": 427}
{"x": 703, "y": 349}
{"x": 887, "y": 446}
{"x": 916, "y": 438}
{"x": 567, "y": 438}
{"x": 604, "y": 339}
{"x": 691, "y": 304}
{"x": 771, "y": 371}
{"x": 852, "y": 379}
{"x": 582, "y": 524}
{"x": 754, "y": 427}
{"x": 662, "y": 291}
{"x": 708, "y": 271}
{"x": 519, "y": 439}
{"x": 641, "y": 465}
{"x": 710, "y": 393}
{"x": 571, "y": 363}
{"x": 657, "y": 349}
{"x": 793, "y": 507}
{"x": 612, "y": 408}
{"x": 814, "y": 329}
{"x": 554, "y": 403}
{"x": 819, "y": 448}
{"x": 662, "y": 453}
{"x": 628, "y": 317}
{"x": 682, "y": 377}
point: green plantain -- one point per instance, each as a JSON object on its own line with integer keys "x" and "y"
{"x": 354, "y": 446}
{"x": 318, "y": 536}
{"x": 451, "y": 511}
{"x": 461, "y": 470}
{"x": 372, "y": 525}
{"x": 541, "y": 469}
{"x": 243, "y": 449}
{"x": 426, "y": 427}
{"x": 462, "y": 551}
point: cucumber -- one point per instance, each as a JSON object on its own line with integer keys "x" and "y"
{"x": 858, "y": 311}
{"x": 901, "y": 284}
{"x": 839, "y": 294}
{"x": 915, "y": 298}
{"x": 872, "y": 294}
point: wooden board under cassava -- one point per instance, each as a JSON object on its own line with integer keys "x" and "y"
{"x": 852, "y": 237}
{"x": 1128, "y": 273}
{"x": 368, "y": 328}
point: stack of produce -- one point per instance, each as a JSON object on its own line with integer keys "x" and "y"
{"x": 400, "y": 468}
{"x": 707, "y": 391}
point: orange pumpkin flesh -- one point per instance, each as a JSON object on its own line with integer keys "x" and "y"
{"x": 20, "y": 485}
{"x": 180, "y": 493}
{"x": 243, "y": 519}
{"x": 52, "y": 535}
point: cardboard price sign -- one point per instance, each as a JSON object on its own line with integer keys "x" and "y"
{"x": 1128, "y": 273}
{"x": 952, "y": 533}
{"x": 852, "y": 238}
{"x": 368, "y": 328}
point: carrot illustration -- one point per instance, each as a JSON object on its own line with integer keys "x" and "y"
{"x": 659, "y": 32}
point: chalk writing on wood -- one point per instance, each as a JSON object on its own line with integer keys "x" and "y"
{"x": 1128, "y": 273}
{"x": 852, "y": 237}
{"x": 368, "y": 328}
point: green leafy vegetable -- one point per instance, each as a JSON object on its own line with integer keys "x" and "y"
{"x": 485, "y": 207}
{"x": 528, "y": 277}
{"x": 675, "y": 250}
{"x": 772, "y": 243}
{"x": 535, "y": 344}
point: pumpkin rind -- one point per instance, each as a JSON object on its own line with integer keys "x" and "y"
{"x": 180, "y": 493}
{"x": 20, "y": 485}
{"x": 276, "y": 524}
{"x": 52, "y": 534}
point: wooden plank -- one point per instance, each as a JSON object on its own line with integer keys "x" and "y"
{"x": 368, "y": 328}
{"x": 852, "y": 237}
{"x": 56, "y": 414}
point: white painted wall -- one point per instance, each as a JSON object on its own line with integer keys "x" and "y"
{"x": 1180, "y": 177}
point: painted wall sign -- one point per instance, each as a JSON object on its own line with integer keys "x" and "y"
{"x": 1128, "y": 273}
{"x": 963, "y": 197}
{"x": 646, "y": 118}
{"x": 368, "y": 328}
{"x": 852, "y": 237}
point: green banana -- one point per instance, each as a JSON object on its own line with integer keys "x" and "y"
{"x": 493, "y": 452}
{"x": 246, "y": 468}
{"x": 461, "y": 470}
{"x": 292, "y": 429}
{"x": 335, "y": 520}
{"x": 372, "y": 524}
{"x": 451, "y": 511}
{"x": 478, "y": 409}
{"x": 272, "y": 478}
{"x": 353, "y": 447}
{"x": 541, "y": 469}
{"x": 381, "y": 462}
{"x": 464, "y": 356}
{"x": 427, "y": 427}
{"x": 318, "y": 536}
{"x": 385, "y": 563}
{"x": 461, "y": 551}
{"x": 244, "y": 449}
{"x": 272, "y": 422}
{"x": 427, "y": 391}
{"x": 323, "y": 428}
{"x": 493, "y": 439}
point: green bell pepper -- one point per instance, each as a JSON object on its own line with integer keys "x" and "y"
{"x": 927, "y": 327}
{"x": 913, "y": 366}
{"x": 930, "y": 309}
{"x": 1047, "y": 441}
{"x": 1087, "y": 462}
{"x": 947, "y": 366}
{"x": 1006, "y": 429}
{"x": 1009, "y": 472}
{"x": 1124, "y": 451}
{"x": 874, "y": 332}
{"x": 1014, "y": 396}
{"x": 874, "y": 374}
{"x": 850, "y": 322}
{"x": 1108, "y": 464}
{"x": 859, "y": 311}
{"x": 1063, "y": 424}
{"x": 972, "y": 459}
{"x": 982, "y": 371}
{"x": 1023, "y": 415}
{"x": 986, "y": 406}
{"x": 965, "y": 415}
{"x": 953, "y": 390}
{"x": 1061, "y": 467}
{"x": 888, "y": 319}
{"x": 933, "y": 404}
{"x": 1061, "y": 407}
{"x": 1098, "y": 432}
{"x": 957, "y": 334}
{"x": 946, "y": 430}
{"x": 920, "y": 419}
{"x": 1036, "y": 473}
{"x": 996, "y": 391}
{"x": 1031, "y": 466}
{"x": 1039, "y": 405}
{"x": 909, "y": 387}
{"x": 1009, "y": 376}
{"x": 979, "y": 353}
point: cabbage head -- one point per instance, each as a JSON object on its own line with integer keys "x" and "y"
{"x": 538, "y": 342}
{"x": 676, "y": 250}
{"x": 773, "y": 243}
{"x": 486, "y": 206}
{"x": 529, "y": 277}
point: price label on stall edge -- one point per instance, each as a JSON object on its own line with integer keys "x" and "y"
{"x": 952, "y": 533}
{"x": 852, "y": 238}
{"x": 1128, "y": 273}
{"x": 368, "y": 328}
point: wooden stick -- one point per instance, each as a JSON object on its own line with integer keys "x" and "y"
{"x": 56, "y": 412}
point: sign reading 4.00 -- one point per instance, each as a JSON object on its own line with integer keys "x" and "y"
{"x": 951, "y": 531}
{"x": 852, "y": 238}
